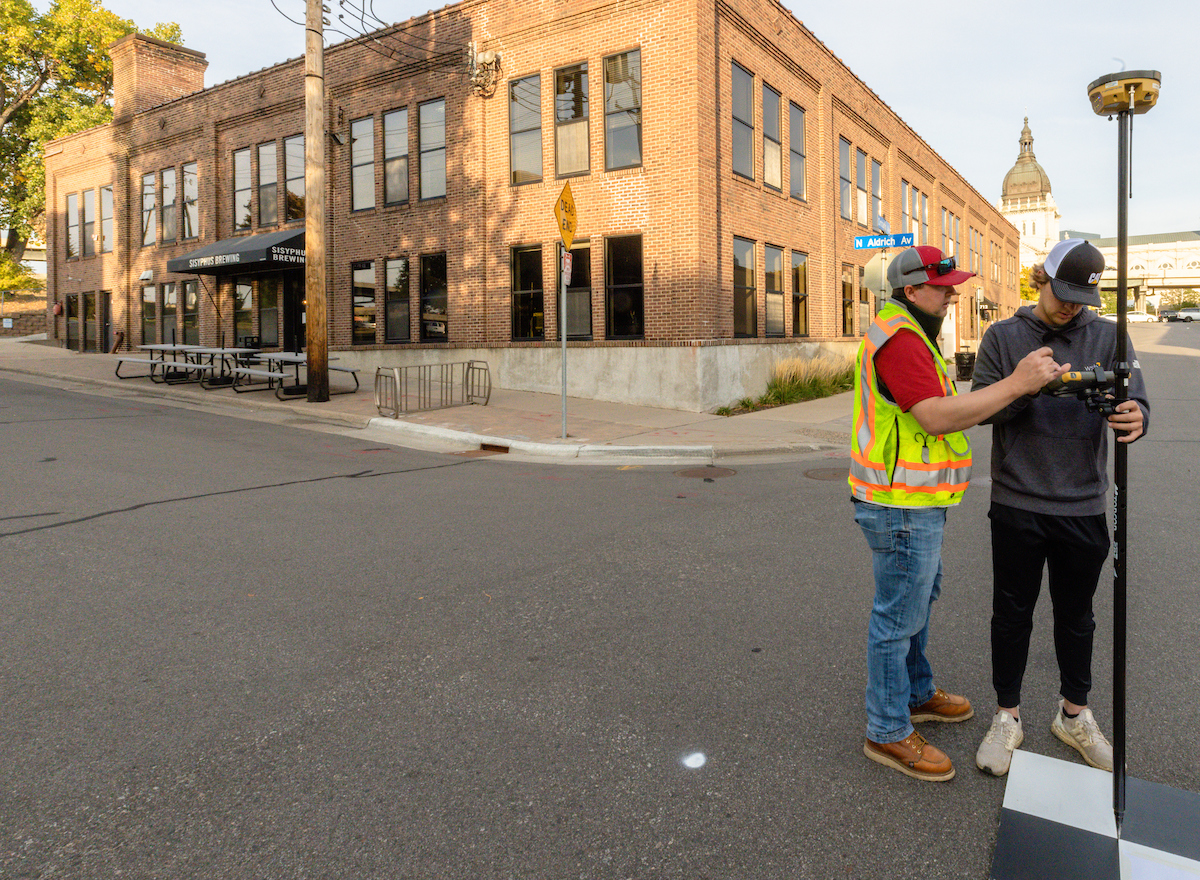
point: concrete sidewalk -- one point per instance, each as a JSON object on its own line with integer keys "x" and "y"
{"x": 522, "y": 422}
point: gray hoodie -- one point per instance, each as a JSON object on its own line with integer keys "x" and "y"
{"x": 1049, "y": 454}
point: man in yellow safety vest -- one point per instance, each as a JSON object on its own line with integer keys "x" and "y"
{"x": 910, "y": 462}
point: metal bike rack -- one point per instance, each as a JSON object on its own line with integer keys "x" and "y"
{"x": 425, "y": 387}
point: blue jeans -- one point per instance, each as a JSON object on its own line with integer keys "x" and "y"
{"x": 906, "y": 552}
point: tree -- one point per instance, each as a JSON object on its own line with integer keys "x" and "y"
{"x": 1028, "y": 292}
{"x": 55, "y": 79}
{"x": 14, "y": 276}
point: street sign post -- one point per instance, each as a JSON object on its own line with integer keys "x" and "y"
{"x": 564, "y": 213}
{"x": 869, "y": 242}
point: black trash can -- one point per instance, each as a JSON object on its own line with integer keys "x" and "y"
{"x": 964, "y": 364}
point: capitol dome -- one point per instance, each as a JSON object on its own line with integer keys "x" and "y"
{"x": 1026, "y": 178}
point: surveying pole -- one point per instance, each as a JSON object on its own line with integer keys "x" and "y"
{"x": 1124, "y": 94}
{"x": 315, "y": 331}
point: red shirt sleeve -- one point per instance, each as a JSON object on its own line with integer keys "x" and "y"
{"x": 905, "y": 365}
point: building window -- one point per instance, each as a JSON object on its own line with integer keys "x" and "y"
{"x": 957, "y": 238}
{"x": 876, "y": 195}
{"x": 571, "y": 144}
{"x": 945, "y": 231}
{"x": 924, "y": 219}
{"x": 579, "y": 291}
{"x": 268, "y": 184}
{"x": 268, "y": 312}
{"x": 396, "y": 326}
{"x": 72, "y": 226}
{"x": 431, "y": 135}
{"x": 362, "y": 164}
{"x": 148, "y": 313}
{"x": 149, "y": 204}
{"x": 624, "y": 288}
{"x": 293, "y": 177}
{"x": 167, "y": 313}
{"x": 904, "y": 218}
{"x": 745, "y": 300}
{"x": 773, "y": 272}
{"x": 772, "y": 138}
{"x": 796, "y": 151}
{"x": 861, "y": 176}
{"x": 88, "y": 242}
{"x": 243, "y": 309}
{"x": 914, "y": 205}
{"x": 395, "y": 157}
{"x": 434, "y": 299}
{"x": 525, "y": 130}
{"x": 106, "y": 220}
{"x": 191, "y": 202}
{"x": 623, "y": 114}
{"x": 241, "y": 189}
{"x": 743, "y": 121}
{"x": 527, "y": 301}
{"x": 845, "y": 185}
{"x": 363, "y": 303}
{"x": 847, "y": 300}
{"x": 799, "y": 294}
{"x": 191, "y": 312}
{"x": 170, "y": 209}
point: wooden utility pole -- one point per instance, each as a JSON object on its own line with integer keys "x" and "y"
{"x": 316, "y": 333}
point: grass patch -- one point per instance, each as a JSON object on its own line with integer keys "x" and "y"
{"x": 797, "y": 379}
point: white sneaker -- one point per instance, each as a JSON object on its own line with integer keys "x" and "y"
{"x": 995, "y": 752}
{"x": 1082, "y": 733}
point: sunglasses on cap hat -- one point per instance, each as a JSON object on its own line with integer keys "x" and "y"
{"x": 942, "y": 267}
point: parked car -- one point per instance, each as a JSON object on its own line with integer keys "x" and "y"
{"x": 1168, "y": 315}
{"x": 1189, "y": 315}
{"x": 1130, "y": 316}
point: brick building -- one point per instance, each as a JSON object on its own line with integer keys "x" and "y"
{"x": 721, "y": 158}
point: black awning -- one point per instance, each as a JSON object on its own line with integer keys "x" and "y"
{"x": 246, "y": 253}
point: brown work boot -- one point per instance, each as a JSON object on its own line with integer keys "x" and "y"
{"x": 943, "y": 707}
{"x": 912, "y": 756}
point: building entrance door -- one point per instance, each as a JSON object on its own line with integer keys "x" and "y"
{"x": 89, "y": 322}
{"x": 294, "y": 329}
{"x": 105, "y": 307}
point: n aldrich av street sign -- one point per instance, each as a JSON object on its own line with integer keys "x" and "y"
{"x": 866, "y": 242}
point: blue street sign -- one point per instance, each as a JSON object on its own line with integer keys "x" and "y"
{"x": 865, "y": 242}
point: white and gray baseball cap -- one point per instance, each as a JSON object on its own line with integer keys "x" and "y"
{"x": 1075, "y": 267}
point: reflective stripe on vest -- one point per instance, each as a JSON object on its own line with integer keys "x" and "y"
{"x": 893, "y": 461}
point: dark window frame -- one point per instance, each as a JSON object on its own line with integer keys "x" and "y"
{"x": 797, "y": 156}
{"x": 358, "y": 325}
{"x": 392, "y": 294}
{"x": 845, "y": 184}
{"x": 294, "y": 195}
{"x": 106, "y": 219}
{"x": 613, "y": 290}
{"x": 395, "y": 155}
{"x": 268, "y": 187}
{"x": 429, "y": 295}
{"x": 745, "y": 289}
{"x": 189, "y": 214}
{"x": 169, "y": 187}
{"x": 565, "y": 125}
{"x": 71, "y": 214}
{"x": 243, "y": 207}
{"x": 742, "y": 125}
{"x": 426, "y": 152}
{"x": 149, "y": 209}
{"x": 526, "y": 303}
{"x": 774, "y": 323}
{"x": 775, "y": 140}
{"x": 523, "y": 122}
{"x": 633, "y": 58}
{"x": 800, "y": 320}
{"x": 362, "y": 158}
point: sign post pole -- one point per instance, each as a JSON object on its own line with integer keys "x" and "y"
{"x": 564, "y": 213}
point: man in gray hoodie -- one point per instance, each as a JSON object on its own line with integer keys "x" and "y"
{"x": 1049, "y": 487}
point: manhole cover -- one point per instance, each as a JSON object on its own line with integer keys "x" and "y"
{"x": 827, "y": 474}
{"x": 706, "y": 473}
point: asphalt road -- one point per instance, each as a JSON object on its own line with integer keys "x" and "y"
{"x": 237, "y": 649}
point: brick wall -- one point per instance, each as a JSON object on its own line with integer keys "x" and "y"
{"x": 683, "y": 200}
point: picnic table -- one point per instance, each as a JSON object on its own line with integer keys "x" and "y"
{"x": 170, "y": 371}
{"x": 298, "y": 359}
{"x": 221, "y": 364}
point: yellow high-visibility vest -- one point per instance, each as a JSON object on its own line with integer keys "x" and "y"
{"x": 894, "y": 463}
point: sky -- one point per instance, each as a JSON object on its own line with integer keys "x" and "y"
{"x": 963, "y": 75}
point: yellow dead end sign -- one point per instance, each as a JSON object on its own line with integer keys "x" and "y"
{"x": 564, "y": 212}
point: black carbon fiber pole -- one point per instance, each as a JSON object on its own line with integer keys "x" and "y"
{"x": 1120, "y": 472}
